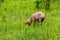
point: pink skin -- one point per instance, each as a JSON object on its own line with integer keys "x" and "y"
{"x": 38, "y": 16}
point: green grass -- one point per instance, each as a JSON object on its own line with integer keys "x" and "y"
{"x": 13, "y": 15}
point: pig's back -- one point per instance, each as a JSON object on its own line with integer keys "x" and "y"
{"x": 38, "y": 15}
{"x": 35, "y": 16}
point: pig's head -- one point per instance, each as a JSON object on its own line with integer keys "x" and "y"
{"x": 29, "y": 21}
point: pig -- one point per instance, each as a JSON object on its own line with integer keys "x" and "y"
{"x": 38, "y": 16}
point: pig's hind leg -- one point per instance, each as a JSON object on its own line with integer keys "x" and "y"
{"x": 41, "y": 20}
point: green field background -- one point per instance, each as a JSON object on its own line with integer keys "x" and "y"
{"x": 14, "y": 13}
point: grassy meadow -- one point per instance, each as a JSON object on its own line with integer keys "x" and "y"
{"x": 14, "y": 13}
